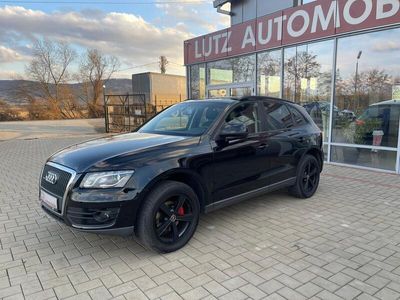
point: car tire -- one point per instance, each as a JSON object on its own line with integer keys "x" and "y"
{"x": 307, "y": 178}
{"x": 168, "y": 217}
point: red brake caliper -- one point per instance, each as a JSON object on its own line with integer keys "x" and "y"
{"x": 181, "y": 211}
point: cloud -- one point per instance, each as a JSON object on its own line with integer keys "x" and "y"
{"x": 9, "y": 55}
{"x": 4, "y": 75}
{"x": 195, "y": 16}
{"x": 387, "y": 46}
{"x": 127, "y": 36}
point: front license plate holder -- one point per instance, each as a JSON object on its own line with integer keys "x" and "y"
{"x": 49, "y": 200}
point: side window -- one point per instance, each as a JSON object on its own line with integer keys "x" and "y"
{"x": 297, "y": 116}
{"x": 277, "y": 116}
{"x": 245, "y": 114}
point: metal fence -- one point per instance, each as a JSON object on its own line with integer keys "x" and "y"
{"x": 124, "y": 113}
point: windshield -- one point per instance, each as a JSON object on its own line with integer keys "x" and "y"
{"x": 187, "y": 118}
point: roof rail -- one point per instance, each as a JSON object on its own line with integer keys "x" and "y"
{"x": 262, "y": 98}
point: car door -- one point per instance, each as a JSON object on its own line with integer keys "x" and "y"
{"x": 280, "y": 140}
{"x": 239, "y": 164}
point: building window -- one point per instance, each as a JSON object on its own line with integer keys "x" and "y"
{"x": 269, "y": 70}
{"x": 308, "y": 80}
{"x": 233, "y": 70}
{"x": 197, "y": 81}
{"x": 367, "y": 86}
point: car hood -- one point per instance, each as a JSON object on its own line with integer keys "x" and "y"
{"x": 111, "y": 152}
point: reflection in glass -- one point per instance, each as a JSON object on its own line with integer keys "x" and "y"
{"x": 269, "y": 73}
{"x": 308, "y": 80}
{"x": 233, "y": 70}
{"x": 197, "y": 81}
{"x": 241, "y": 91}
{"x": 217, "y": 93}
{"x": 379, "y": 159}
{"x": 367, "y": 81}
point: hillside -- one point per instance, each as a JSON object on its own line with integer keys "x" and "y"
{"x": 8, "y": 88}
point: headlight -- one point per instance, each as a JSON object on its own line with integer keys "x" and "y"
{"x": 103, "y": 180}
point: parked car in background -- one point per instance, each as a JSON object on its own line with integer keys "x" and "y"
{"x": 348, "y": 115}
{"x": 196, "y": 156}
{"x": 380, "y": 118}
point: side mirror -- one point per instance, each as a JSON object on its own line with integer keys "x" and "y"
{"x": 233, "y": 132}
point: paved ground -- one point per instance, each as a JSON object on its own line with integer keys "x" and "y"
{"x": 342, "y": 243}
{"x": 50, "y": 128}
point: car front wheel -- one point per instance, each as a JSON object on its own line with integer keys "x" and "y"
{"x": 169, "y": 217}
{"x": 307, "y": 180}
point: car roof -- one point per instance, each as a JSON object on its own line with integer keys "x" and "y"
{"x": 388, "y": 102}
{"x": 213, "y": 100}
{"x": 246, "y": 98}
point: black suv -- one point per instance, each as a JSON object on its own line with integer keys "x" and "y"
{"x": 195, "y": 156}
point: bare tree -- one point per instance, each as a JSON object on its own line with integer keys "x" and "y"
{"x": 49, "y": 67}
{"x": 163, "y": 64}
{"x": 7, "y": 113}
{"x": 95, "y": 70}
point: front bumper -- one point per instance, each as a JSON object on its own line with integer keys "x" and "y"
{"x": 121, "y": 231}
{"x": 97, "y": 211}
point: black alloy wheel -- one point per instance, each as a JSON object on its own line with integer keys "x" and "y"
{"x": 308, "y": 176}
{"x": 168, "y": 217}
{"x": 173, "y": 218}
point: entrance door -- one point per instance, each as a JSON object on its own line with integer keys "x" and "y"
{"x": 230, "y": 90}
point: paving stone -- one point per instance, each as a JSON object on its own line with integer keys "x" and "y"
{"x": 309, "y": 289}
{"x": 387, "y": 294}
{"x": 348, "y": 292}
{"x": 64, "y": 291}
{"x": 340, "y": 244}
{"x": 100, "y": 293}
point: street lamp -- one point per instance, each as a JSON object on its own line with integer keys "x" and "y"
{"x": 356, "y": 79}
{"x": 105, "y": 107}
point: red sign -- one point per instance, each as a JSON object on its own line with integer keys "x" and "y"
{"x": 308, "y": 22}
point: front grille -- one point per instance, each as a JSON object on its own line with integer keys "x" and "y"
{"x": 57, "y": 189}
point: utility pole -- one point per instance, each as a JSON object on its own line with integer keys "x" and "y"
{"x": 163, "y": 64}
{"x": 105, "y": 108}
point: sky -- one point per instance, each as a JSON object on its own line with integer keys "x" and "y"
{"x": 136, "y": 33}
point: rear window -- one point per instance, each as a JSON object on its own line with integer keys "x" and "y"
{"x": 277, "y": 116}
{"x": 297, "y": 116}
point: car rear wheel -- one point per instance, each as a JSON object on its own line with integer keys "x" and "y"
{"x": 307, "y": 180}
{"x": 169, "y": 217}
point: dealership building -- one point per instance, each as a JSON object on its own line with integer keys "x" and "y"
{"x": 340, "y": 60}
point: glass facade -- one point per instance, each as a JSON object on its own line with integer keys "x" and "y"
{"x": 198, "y": 81}
{"x": 233, "y": 70}
{"x": 349, "y": 85}
{"x": 308, "y": 80}
{"x": 269, "y": 73}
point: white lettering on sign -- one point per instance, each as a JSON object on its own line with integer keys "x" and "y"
{"x": 306, "y": 22}
{"x": 216, "y": 38}
{"x": 291, "y": 26}
{"x": 227, "y": 36}
{"x": 355, "y": 21}
{"x": 279, "y": 22}
{"x": 267, "y": 39}
{"x": 320, "y": 18}
{"x": 196, "y": 50}
{"x": 380, "y": 9}
{"x": 212, "y": 45}
{"x": 249, "y": 37}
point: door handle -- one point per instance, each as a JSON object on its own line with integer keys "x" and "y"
{"x": 262, "y": 146}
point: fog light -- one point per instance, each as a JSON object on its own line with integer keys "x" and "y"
{"x": 102, "y": 216}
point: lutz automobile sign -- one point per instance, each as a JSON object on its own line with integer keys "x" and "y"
{"x": 316, "y": 20}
